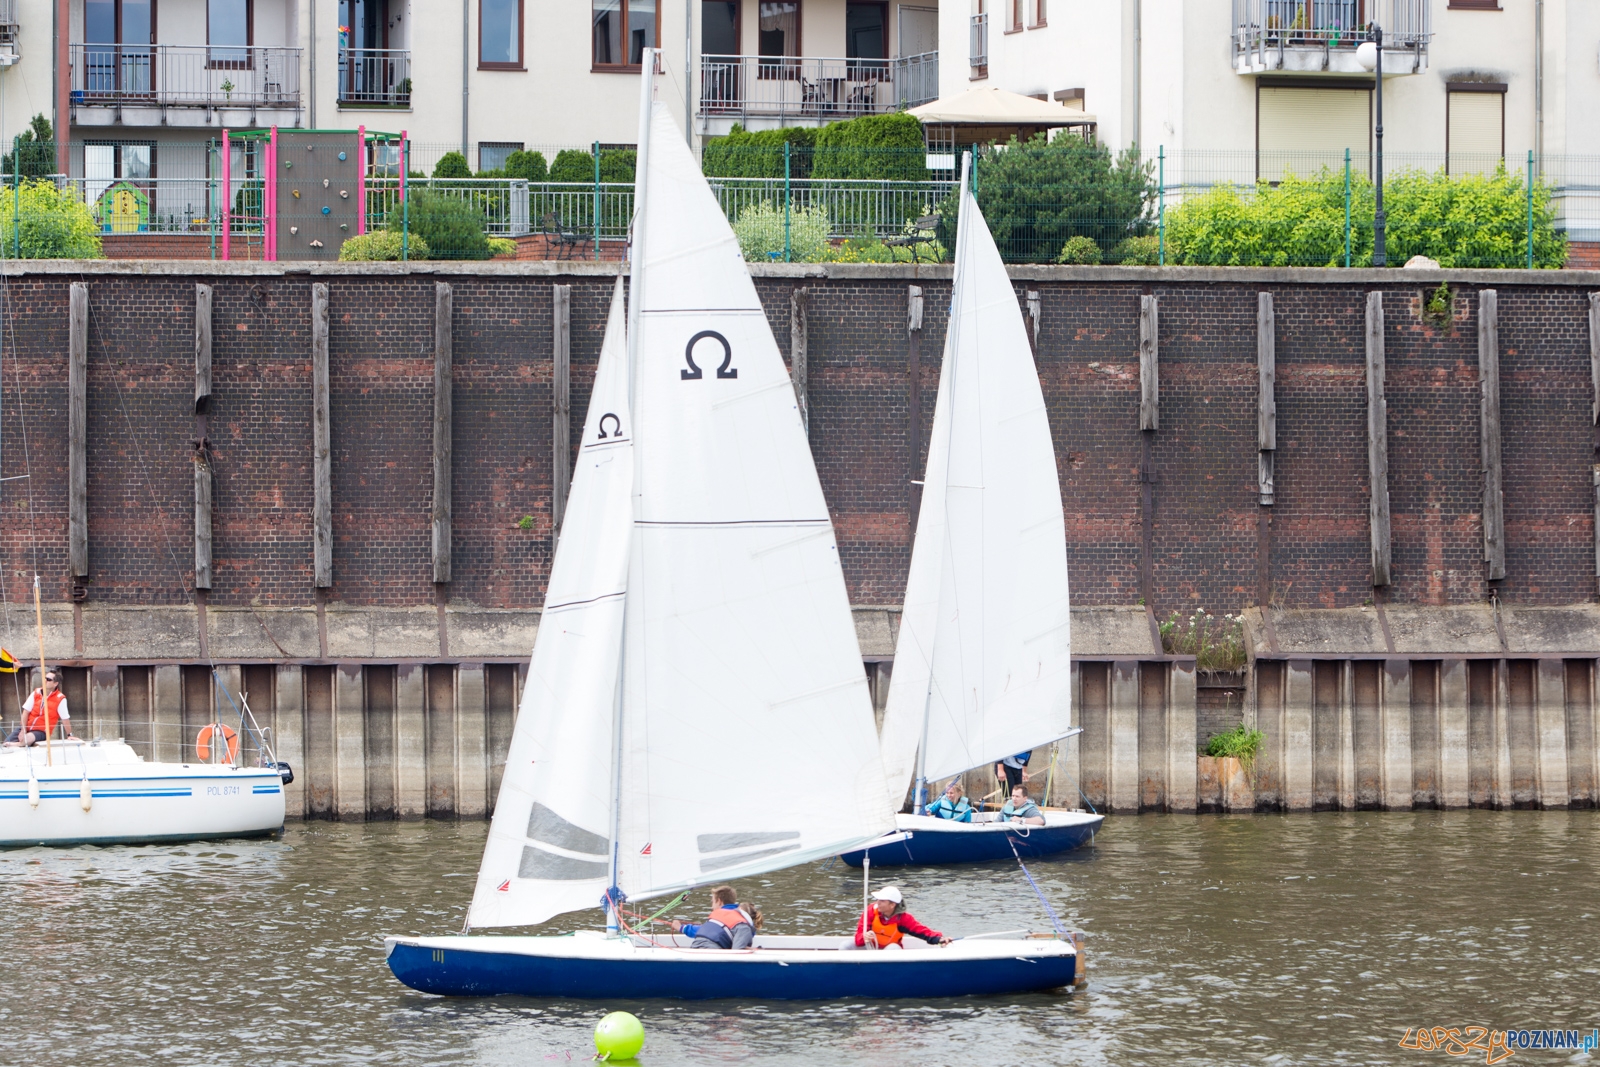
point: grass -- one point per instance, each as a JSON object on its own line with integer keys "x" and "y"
{"x": 1241, "y": 743}
{"x": 1215, "y": 642}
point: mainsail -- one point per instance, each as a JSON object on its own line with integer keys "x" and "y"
{"x": 548, "y": 849}
{"x": 981, "y": 665}
{"x": 747, "y": 730}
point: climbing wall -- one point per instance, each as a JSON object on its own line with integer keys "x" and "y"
{"x": 319, "y": 198}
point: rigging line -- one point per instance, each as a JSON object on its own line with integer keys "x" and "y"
{"x": 1061, "y": 930}
{"x": 138, "y": 453}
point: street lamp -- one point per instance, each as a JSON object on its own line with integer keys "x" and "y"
{"x": 1370, "y": 56}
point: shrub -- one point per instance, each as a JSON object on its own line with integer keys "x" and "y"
{"x": 382, "y": 245}
{"x": 881, "y": 147}
{"x": 760, "y": 232}
{"x": 529, "y": 166}
{"x": 451, "y": 228}
{"x": 742, "y": 154}
{"x": 874, "y": 250}
{"x": 1137, "y": 252}
{"x": 452, "y": 165}
{"x": 571, "y": 165}
{"x": 35, "y": 155}
{"x": 1241, "y": 743}
{"x": 55, "y": 224}
{"x": 1468, "y": 220}
{"x": 502, "y": 246}
{"x": 1080, "y": 250}
{"x": 1036, "y": 194}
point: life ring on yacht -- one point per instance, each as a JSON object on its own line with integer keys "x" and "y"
{"x": 202, "y": 744}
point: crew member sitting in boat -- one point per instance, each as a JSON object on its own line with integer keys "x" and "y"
{"x": 953, "y": 805}
{"x": 1021, "y": 809}
{"x": 730, "y": 925}
{"x": 885, "y": 924}
{"x": 41, "y": 712}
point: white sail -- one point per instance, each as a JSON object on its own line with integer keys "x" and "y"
{"x": 747, "y": 730}
{"x": 548, "y": 847}
{"x": 983, "y": 649}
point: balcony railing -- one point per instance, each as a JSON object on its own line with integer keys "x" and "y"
{"x": 1327, "y": 25}
{"x": 375, "y": 77}
{"x": 164, "y": 75}
{"x": 788, "y": 87}
{"x": 978, "y": 47}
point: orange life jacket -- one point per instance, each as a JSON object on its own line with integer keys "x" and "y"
{"x": 887, "y": 933}
{"x": 728, "y": 918}
{"x": 45, "y": 713}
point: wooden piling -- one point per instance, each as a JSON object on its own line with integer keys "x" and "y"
{"x": 443, "y": 390}
{"x": 799, "y": 305}
{"x": 1494, "y": 522}
{"x": 321, "y": 441}
{"x": 1267, "y": 403}
{"x": 914, "y": 401}
{"x": 202, "y": 458}
{"x": 1377, "y": 442}
{"x": 1149, "y": 364}
{"x": 561, "y": 397}
{"x": 77, "y": 432}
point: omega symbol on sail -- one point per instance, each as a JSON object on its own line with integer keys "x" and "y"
{"x": 616, "y": 426}
{"x": 727, "y": 370}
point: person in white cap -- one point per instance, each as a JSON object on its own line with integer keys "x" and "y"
{"x": 887, "y": 922}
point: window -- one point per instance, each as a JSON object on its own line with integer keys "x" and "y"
{"x": 864, "y": 31}
{"x": 500, "y": 34}
{"x": 1305, "y": 128}
{"x": 1475, "y": 127}
{"x": 106, "y": 164}
{"x": 228, "y": 22}
{"x": 778, "y": 37}
{"x": 1038, "y": 15}
{"x": 124, "y": 30}
{"x": 492, "y": 154}
{"x": 1014, "y": 15}
{"x": 623, "y": 29}
{"x": 719, "y": 27}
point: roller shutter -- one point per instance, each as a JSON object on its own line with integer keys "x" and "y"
{"x": 1303, "y": 130}
{"x": 1477, "y": 132}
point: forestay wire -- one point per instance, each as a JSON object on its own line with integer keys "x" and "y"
{"x": 1054, "y": 921}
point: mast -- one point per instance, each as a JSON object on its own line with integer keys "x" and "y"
{"x": 38, "y": 614}
{"x": 640, "y": 174}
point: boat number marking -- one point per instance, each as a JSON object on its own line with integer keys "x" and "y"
{"x": 616, "y": 425}
{"x": 727, "y": 370}
{"x": 222, "y": 790}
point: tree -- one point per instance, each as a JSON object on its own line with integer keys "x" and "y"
{"x": 54, "y": 223}
{"x": 452, "y": 165}
{"x": 35, "y": 151}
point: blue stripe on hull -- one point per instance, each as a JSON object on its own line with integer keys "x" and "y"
{"x": 145, "y": 839}
{"x": 931, "y": 847}
{"x": 478, "y": 974}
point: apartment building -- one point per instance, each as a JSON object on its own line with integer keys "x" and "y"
{"x": 137, "y": 85}
{"x": 1466, "y": 82}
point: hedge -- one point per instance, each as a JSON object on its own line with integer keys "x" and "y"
{"x": 572, "y": 165}
{"x": 883, "y": 147}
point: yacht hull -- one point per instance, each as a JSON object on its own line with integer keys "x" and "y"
{"x": 938, "y": 841}
{"x": 134, "y": 803}
{"x": 595, "y": 967}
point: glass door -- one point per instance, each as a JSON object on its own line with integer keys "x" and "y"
{"x": 119, "y": 36}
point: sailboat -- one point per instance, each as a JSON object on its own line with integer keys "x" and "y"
{"x": 982, "y": 661}
{"x": 695, "y": 711}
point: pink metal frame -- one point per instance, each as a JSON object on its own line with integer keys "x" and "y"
{"x": 361, "y": 180}
{"x": 270, "y": 251}
{"x": 227, "y": 191}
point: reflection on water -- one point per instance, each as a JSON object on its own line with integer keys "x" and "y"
{"x": 1285, "y": 940}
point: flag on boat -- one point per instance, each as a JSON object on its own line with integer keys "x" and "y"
{"x": 8, "y": 662}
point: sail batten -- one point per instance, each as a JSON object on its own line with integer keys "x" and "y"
{"x": 983, "y": 654}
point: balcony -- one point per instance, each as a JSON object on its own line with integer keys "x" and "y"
{"x": 375, "y": 77}
{"x": 978, "y": 46}
{"x": 1320, "y": 36}
{"x": 10, "y": 31}
{"x": 783, "y": 90}
{"x": 184, "y": 76}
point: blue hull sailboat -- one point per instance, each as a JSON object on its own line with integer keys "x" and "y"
{"x": 982, "y": 666}
{"x": 696, "y": 616}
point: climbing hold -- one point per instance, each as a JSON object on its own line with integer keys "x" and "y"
{"x": 344, "y": 194}
{"x": 296, "y": 193}
{"x": 293, "y": 230}
{"x": 288, "y": 163}
{"x": 325, "y": 183}
{"x": 316, "y": 244}
{"x": 327, "y": 210}
{"x": 344, "y": 226}
{"x": 341, "y": 157}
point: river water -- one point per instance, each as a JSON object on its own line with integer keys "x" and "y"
{"x": 1316, "y": 939}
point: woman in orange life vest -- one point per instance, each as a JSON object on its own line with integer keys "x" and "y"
{"x": 730, "y": 925}
{"x": 41, "y": 712}
{"x": 890, "y": 922}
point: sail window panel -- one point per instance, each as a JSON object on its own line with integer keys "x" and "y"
{"x": 1300, "y": 131}
{"x": 500, "y": 34}
{"x": 1476, "y": 131}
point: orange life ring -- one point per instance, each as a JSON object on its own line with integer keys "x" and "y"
{"x": 202, "y": 744}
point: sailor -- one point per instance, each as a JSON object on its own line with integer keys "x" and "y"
{"x": 953, "y": 805}
{"x": 885, "y": 924}
{"x": 730, "y": 925}
{"x": 1014, "y": 769}
{"x": 41, "y": 712}
{"x": 1021, "y": 809}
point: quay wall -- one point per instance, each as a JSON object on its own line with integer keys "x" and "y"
{"x": 394, "y": 694}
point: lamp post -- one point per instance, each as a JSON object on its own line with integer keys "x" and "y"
{"x": 1370, "y": 56}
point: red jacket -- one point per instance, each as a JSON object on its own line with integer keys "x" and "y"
{"x": 905, "y": 921}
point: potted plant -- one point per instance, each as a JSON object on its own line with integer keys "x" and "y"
{"x": 1224, "y": 772}
{"x": 227, "y": 89}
